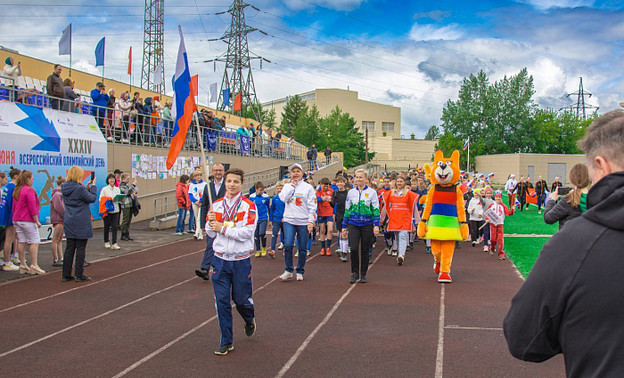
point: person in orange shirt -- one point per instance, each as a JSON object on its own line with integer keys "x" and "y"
{"x": 325, "y": 214}
{"x": 401, "y": 209}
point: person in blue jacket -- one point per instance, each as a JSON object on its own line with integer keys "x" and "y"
{"x": 100, "y": 100}
{"x": 276, "y": 215}
{"x": 262, "y": 201}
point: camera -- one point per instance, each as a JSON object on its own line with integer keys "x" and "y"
{"x": 562, "y": 191}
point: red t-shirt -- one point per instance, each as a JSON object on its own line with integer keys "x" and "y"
{"x": 325, "y": 208}
{"x": 400, "y": 210}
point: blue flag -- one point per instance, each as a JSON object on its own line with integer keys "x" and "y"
{"x": 226, "y": 97}
{"x": 99, "y": 52}
{"x": 211, "y": 136}
{"x": 244, "y": 144}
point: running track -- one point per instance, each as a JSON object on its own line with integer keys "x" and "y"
{"x": 146, "y": 314}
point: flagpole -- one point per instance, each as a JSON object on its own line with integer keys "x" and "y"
{"x": 468, "y": 161}
{"x": 204, "y": 160}
{"x": 70, "y": 56}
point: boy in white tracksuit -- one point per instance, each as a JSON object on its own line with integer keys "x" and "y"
{"x": 299, "y": 219}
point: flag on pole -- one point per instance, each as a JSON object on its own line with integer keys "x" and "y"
{"x": 466, "y": 144}
{"x": 157, "y": 74}
{"x": 195, "y": 87}
{"x": 238, "y": 100}
{"x": 99, "y": 52}
{"x": 213, "y": 92}
{"x": 65, "y": 42}
{"x": 130, "y": 61}
{"x": 183, "y": 103}
{"x": 226, "y": 97}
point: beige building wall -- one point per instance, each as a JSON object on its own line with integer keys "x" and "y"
{"x": 404, "y": 153}
{"x": 534, "y": 165}
{"x": 361, "y": 110}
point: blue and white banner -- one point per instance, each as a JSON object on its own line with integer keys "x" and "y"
{"x": 244, "y": 144}
{"x": 48, "y": 142}
{"x": 211, "y": 138}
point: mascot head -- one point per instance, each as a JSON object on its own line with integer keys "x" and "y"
{"x": 445, "y": 170}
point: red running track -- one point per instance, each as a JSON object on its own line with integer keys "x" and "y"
{"x": 146, "y": 314}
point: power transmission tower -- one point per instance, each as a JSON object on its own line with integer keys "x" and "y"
{"x": 153, "y": 69}
{"x": 237, "y": 76}
{"x": 581, "y": 106}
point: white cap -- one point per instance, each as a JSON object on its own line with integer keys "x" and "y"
{"x": 512, "y": 175}
{"x": 296, "y": 165}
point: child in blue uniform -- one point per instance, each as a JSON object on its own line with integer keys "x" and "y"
{"x": 276, "y": 215}
{"x": 262, "y": 201}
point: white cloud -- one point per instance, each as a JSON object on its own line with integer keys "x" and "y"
{"x": 435, "y": 33}
{"x": 548, "y": 4}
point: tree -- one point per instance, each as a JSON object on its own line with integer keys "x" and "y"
{"x": 339, "y": 132}
{"x": 557, "y": 133}
{"x": 433, "y": 133}
{"x": 293, "y": 110}
{"x": 268, "y": 117}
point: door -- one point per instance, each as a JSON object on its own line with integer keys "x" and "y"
{"x": 532, "y": 173}
{"x": 557, "y": 169}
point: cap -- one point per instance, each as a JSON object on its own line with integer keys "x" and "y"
{"x": 512, "y": 175}
{"x": 100, "y": 84}
{"x": 116, "y": 171}
{"x": 296, "y": 165}
{"x": 498, "y": 194}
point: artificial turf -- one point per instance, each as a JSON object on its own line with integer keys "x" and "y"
{"x": 524, "y": 251}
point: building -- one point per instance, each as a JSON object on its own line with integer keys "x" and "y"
{"x": 548, "y": 166}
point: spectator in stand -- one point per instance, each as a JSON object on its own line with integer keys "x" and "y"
{"x": 311, "y": 155}
{"x": 149, "y": 124}
{"x": 130, "y": 191}
{"x": 77, "y": 222}
{"x": 125, "y": 106}
{"x": 167, "y": 122}
{"x": 6, "y": 221}
{"x": 26, "y": 222}
{"x": 57, "y": 212}
{"x": 183, "y": 201}
{"x": 157, "y": 128}
{"x": 139, "y": 118}
{"x": 54, "y": 87}
{"x": 111, "y": 105}
{"x": 541, "y": 187}
{"x": 111, "y": 220}
{"x": 14, "y": 72}
{"x": 70, "y": 96}
{"x": 100, "y": 101}
{"x": 556, "y": 184}
{"x": 327, "y": 153}
{"x": 277, "y": 138}
{"x": 574, "y": 203}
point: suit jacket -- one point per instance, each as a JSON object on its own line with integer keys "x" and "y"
{"x": 205, "y": 205}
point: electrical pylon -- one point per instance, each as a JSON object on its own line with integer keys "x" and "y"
{"x": 153, "y": 47}
{"x": 581, "y": 106}
{"x": 237, "y": 76}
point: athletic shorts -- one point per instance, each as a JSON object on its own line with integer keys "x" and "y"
{"x": 27, "y": 232}
{"x": 322, "y": 220}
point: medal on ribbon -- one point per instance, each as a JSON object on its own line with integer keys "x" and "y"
{"x": 229, "y": 212}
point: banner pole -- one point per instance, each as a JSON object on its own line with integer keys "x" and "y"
{"x": 204, "y": 160}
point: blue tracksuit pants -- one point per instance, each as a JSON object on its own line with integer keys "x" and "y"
{"x": 232, "y": 277}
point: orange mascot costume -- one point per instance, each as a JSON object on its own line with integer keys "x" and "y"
{"x": 444, "y": 217}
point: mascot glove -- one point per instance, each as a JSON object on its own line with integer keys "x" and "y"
{"x": 422, "y": 229}
{"x": 464, "y": 231}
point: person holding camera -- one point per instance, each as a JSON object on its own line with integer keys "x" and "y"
{"x": 571, "y": 206}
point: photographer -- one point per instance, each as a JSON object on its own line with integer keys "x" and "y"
{"x": 570, "y": 207}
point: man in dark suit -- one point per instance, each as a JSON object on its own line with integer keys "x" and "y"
{"x": 217, "y": 190}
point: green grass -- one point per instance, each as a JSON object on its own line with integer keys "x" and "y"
{"x": 523, "y": 252}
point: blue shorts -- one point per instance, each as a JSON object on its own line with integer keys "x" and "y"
{"x": 325, "y": 219}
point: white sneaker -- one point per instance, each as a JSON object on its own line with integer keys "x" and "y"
{"x": 107, "y": 245}
{"x": 280, "y": 246}
{"x": 286, "y": 276}
{"x": 394, "y": 253}
{"x": 299, "y": 277}
{"x": 10, "y": 267}
{"x": 400, "y": 260}
{"x": 115, "y": 246}
{"x": 389, "y": 251}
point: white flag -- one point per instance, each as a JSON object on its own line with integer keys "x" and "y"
{"x": 213, "y": 92}
{"x": 65, "y": 42}
{"x": 157, "y": 74}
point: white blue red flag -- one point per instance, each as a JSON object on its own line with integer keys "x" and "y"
{"x": 466, "y": 144}
{"x": 183, "y": 103}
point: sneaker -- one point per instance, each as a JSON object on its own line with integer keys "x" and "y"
{"x": 327, "y": 252}
{"x": 115, "y": 246}
{"x": 389, "y": 251}
{"x": 224, "y": 349}
{"x": 344, "y": 257}
{"x": 428, "y": 250}
{"x": 354, "y": 278}
{"x": 180, "y": 233}
{"x": 299, "y": 277}
{"x": 190, "y": 231}
{"x": 286, "y": 276}
{"x": 363, "y": 279}
{"x": 250, "y": 328}
{"x": 436, "y": 267}
{"x": 272, "y": 254}
{"x": 107, "y": 245}
{"x": 258, "y": 253}
{"x": 10, "y": 267}
{"x": 400, "y": 260}
{"x": 313, "y": 241}
{"x": 474, "y": 243}
{"x": 339, "y": 253}
{"x": 57, "y": 263}
{"x": 322, "y": 251}
{"x": 501, "y": 256}
{"x": 445, "y": 278}
{"x": 410, "y": 246}
{"x": 264, "y": 252}
{"x": 15, "y": 260}
{"x": 486, "y": 248}
{"x": 395, "y": 253}
{"x": 280, "y": 246}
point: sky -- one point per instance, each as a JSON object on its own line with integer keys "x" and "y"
{"x": 410, "y": 54}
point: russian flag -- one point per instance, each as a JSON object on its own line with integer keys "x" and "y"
{"x": 183, "y": 103}
{"x": 466, "y": 144}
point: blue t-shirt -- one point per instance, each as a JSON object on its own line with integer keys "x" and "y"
{"x": 6, "y": 205}
{"x": 262, "y": 205}
{"x": 277, "y": 209}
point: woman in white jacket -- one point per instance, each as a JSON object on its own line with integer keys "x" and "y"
{"x": 196, "y": 191}
{"x": 475, "y": 213}
{"x": 12, "y": 71}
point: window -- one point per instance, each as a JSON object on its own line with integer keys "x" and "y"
{"x": 368, "y": 125}
{"x": 387, "y": 126}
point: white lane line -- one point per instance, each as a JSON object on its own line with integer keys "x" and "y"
{"x": 307, "y": 341}
{"x": 440, "y": 352}
{"x": 473, "y": 328}
{"x": 98, "y": 281}
{"x": 184, "y": 335}
{"x": 93, "y": 318}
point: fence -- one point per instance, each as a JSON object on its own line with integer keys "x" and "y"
{"x": 130, "y": 122}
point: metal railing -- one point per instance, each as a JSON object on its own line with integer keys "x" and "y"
{"x": 133, "y": 123}
{"x": 166, "y": 204}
